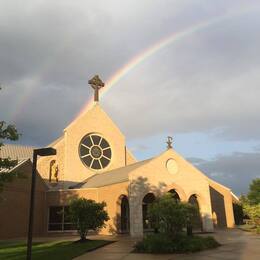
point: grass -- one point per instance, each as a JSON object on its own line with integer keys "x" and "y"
{"x": 58, "y": 250}
{"x": 160, "y": 243}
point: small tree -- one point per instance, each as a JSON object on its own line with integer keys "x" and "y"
{"x": 169, "y": 216}
{"x": 254, "y": 192}
{"x": 7, "y": 132}
{"x": 251, "y": 203}
{"x": 87, "y": 215}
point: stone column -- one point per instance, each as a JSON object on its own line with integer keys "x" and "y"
{"x": 229, "y": 209}
{"x": 206, "y": 215}
{"x": 207, "y": 223}
{"x": 136, "y": 216}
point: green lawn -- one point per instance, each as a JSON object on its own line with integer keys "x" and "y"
{"x": 63, "y": 250}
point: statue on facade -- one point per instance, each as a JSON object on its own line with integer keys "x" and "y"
{"x": 54, "y": 172}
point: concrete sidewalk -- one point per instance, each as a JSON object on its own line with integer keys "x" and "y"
{"x": 236, "y": 245}
{"x": 117, "y": 250}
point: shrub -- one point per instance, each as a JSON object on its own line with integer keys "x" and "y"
{"x": 154, "y": 243}
{"x": 87, "y": 215}
{"x": 161, "y": 243}
{"x": 169, "y": 216}
{"x": 253, "y": 211}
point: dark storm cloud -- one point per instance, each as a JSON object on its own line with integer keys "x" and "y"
{"x": 236, "y": 171}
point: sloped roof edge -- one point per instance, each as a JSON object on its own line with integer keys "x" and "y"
{"x": 18, "y": 165}
{"x": 114, "y": 176}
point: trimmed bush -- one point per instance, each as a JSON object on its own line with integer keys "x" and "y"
{"x": 161, "y": 243}
{"x": 170, "y": 219}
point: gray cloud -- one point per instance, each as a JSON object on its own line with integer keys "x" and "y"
{"x": 257, "y": 148}
{"x": 205, "y": 82}
{"x": 236, "y": 171}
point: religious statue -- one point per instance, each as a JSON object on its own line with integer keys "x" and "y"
{"x": 54, "y": 172}
{"x": 96, "y": 83}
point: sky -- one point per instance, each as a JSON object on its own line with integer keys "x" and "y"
{"x": 195, "y": 75}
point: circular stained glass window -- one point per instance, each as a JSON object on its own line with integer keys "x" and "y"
{"x": 95, "y": 152}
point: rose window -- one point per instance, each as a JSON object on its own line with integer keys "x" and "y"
{"x": 95, "y": 151}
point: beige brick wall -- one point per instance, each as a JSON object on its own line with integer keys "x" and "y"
{"x": 94, "y": 121}
{"x": 14, "y": 206}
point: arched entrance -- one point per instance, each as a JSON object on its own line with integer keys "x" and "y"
{"x": 148, "y": 199}
{"x": 196, "y": 221}
{"x": 124, "y": 215}
{"x": 174, "y": 195}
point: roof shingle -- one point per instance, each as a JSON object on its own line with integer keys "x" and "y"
{"x": 16, "y": 152}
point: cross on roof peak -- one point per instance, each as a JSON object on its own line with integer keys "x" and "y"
{"x": 169, "y": 142}
{"x": 96, "y": 83}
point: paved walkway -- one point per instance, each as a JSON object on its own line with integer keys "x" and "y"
{"x": 236, "y": 245}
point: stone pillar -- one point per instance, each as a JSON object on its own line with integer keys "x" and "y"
{"x": 207, "y": 223}
{"x": 230, "y": 220}
{"x": 206, "y": 215}
{"x": 136, "y": 216}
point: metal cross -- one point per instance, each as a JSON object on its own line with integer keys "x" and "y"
{"x": 169, "y": 142}
{"x": 96, "y": 83}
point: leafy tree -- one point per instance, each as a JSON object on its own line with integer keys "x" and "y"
{"x": 251, "y": 203}
{"x": 87, "y": 215}
{"x": 7, "y": 132}
{"x": 243, "y": 199}
{"x": 169, "y": 216}
{"x": 254, "y": 192}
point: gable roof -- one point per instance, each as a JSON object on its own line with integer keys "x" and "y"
{"x": 16, "y": 152}
{"x": 122, "y": 174}
{"x": 111, "y": 177}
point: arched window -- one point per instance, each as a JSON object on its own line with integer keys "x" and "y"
{"x": 124, "y": 215}
{"x": 174, "y": 195}
{"x": 148, "y": 199}
{"x": 196, "y": 221}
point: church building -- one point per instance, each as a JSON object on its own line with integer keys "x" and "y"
{"x": 93, "y": 162}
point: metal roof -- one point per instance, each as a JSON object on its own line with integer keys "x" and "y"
{"x": 16, "y": 152}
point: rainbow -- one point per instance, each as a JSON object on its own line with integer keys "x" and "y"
{"x": 151, "y": 50}
{"x": 142, "y": 56}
